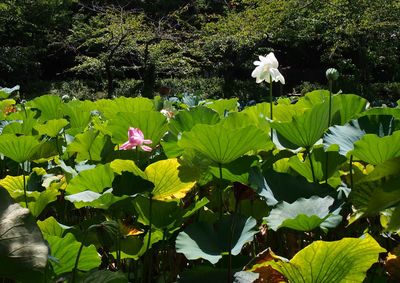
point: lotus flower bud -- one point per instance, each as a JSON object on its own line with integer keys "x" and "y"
{"x": 332, "y": 74}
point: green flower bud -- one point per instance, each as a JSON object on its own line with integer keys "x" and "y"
{"x": 332, "y": 74}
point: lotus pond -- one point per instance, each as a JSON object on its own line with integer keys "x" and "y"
{"x": 140, "y": 190}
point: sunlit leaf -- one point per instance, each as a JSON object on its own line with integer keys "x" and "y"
{"x": 52, "y": 127}
{"x": 65, "y": 250}
{"x": 222, "y": 106}
{"x": 302, "y": 215}
{"x": 306, "y": 129}
{"x": 170, "y": 179}
{"x": 18, "y": 148}
{"x": 153, "y": 124}
{"x": 79, "y": 115}
{"x": 96, "y": 180}
{"x": 109, "y": 108}
{"x": 49, "y": 106}
{"x": 50, "y": 226}
{"x": 319, "y": 162}
{"x": 376, "y": 150}
{"x": 221, "y": 144}
{"x": 346, "y": 260}
{"x": 93, "y": 199}
{"x": 22, "y": 122}
{"x": 88, "y": 145}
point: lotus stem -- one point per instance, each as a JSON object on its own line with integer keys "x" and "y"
{"x": 311, "y": 164}
{"x": 233, "y": 224}
{"x": 220, "y": 191}
{"x": 76, "y": 263}
{"x": 149, "y": 238}
{"x": 271, "y": 104}
{"x": 24, "y": 184}
{"x": 351, "y": 172}
{"x": 330, "y": 103}
{"x": 329, "y": 124}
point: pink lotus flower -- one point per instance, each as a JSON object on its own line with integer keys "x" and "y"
{"x": 136, "y": 138}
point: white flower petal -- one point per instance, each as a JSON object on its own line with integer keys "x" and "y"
{"x": 277, "y": 76}
{"x": 257, "y": 63}
{"x": 257, "y": 71}
{"x": 262, "y": 58}
{"x": 273, "y": 61}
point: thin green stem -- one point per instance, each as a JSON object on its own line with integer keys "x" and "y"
{"x": 76, "y": 263}
{"x": 329, "y": 124}
{"x": 351, "y": 172}
{"x": 311, "y": 164}
{"x": 58, "y": 147}
{"x": 220, "y": 191}
{"x": 271, "y": 116}
{"x": 233, "y": 224}
{"x": 24, "y": 182}
{"x": 149, "y": 238}
{"x": 330, "y": 103}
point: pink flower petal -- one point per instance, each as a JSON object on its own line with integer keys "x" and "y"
{"x": 146, "y": 148}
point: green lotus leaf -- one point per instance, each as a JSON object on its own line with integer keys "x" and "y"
{"x": 93, "y": 199}
{"x": 222, "y": 106}
{"x": 346, "y": 260}
{"x": 184, "y": 121}
{"x": 286, "y": 187}
{"x": 375, "y": 150}
{"x": 6, "y": 92}
{"x": 96, "y": 180}
{"x": 104, "y": 276}
{"x": 79, "y": 115}
{"x": 376, "y": 111}
{"x": 221, "y": 144}
{"x": 134, "y": 246}
{"x": 64, "y": 252}
{"x": 49, "y": 106}
{"x": 153, "y": 125}
{"x": 319, "y": 158}
{"x": 347, "y": 107}
{"x": 51, "y": 128}
{"x": 88, "y": 146}
{"x": 170, "y": 179}
{"x": 37, "y": 201}
{"x": 50, "y": 226}
{"x": 164, "y": 214}
{"x": 40, "y": 201}
{"x": 47, "y": 150}
{"x": 23, "y": 252}
{"x": 18, "y": 148}
{"x": 345, "y": 136}
{"x": 237, "y": 170}
{"x": 120, "y": 165}
{"x": 210, "y": 241}
{"x": 302, "y": 215}
{"x": 378, "y": 190}
{"x": 109, "y": 108}
{"x": 22, "y": 123}
{"x": 312, "y": 98}
{"x": 107, "y": 233}
{"x": 306, "y": 129}
{"x": 258, "y": 114}
{"x": 394, "y": 221}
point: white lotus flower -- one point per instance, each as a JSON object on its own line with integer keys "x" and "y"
{"x": 267, "y": 68}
